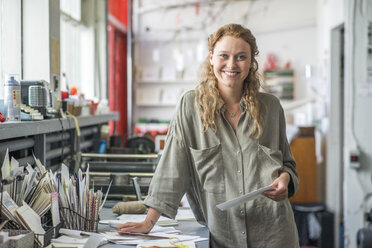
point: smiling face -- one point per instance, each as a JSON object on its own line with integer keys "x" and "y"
{"x": 231, "y": 61}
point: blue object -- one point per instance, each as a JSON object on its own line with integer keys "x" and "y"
{"x": 102, "y": 147}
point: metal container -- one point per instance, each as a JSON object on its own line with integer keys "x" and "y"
{"x": 12, "y": 98}
{"x": 37, "y": 96}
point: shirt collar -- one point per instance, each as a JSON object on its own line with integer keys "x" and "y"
{"x": 242, "y": 106}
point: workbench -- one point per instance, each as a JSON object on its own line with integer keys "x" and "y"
{"x": 186, "y": 227}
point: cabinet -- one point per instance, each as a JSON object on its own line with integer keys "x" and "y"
{"x": 303, "y": 150}
{"x": 279, "y": 83}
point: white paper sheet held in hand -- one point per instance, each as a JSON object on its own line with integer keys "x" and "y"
{"x": 241, "y": 199}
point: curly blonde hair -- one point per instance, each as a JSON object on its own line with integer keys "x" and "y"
{"x": 208, "y": 98}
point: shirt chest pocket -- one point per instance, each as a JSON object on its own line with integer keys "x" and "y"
{"x": 208, "y": 164}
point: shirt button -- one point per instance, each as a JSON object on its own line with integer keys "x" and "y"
{"x": 242, "y": 211}
{"x": 239, "y": 171}
{"x": 243, "y": 232}
{"x": 240, "y": 192}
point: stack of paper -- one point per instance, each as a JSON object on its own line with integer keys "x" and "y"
{"x": 139, "y": 238}
{"x": 76, "y": 239}
{"x": 162, "y": 221}
{"x": 166, "y": 244}
{"x": 80, "y": 204}
{"x": 26, "y": 189}
{"x": 31, "y": 192}
{"x": 29, "y": 219}
{"x": 9, "y": 207}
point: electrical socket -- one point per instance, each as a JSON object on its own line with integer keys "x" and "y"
{"x": 354, "y": 159}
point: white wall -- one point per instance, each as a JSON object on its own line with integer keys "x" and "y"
{"x": 358, "y": 119}
{"x": 294, "y": 45}
{"x": 287, "y": 28}
{"x": 330, "y": 15}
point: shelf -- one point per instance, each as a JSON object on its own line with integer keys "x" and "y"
{"x": 177, "y": 82}
{"x": 28, "y": 128}
{"x": 158, "y": 105}
{"x": 279, "y": 83}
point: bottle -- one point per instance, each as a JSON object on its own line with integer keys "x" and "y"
{"x": 12, "y": 98}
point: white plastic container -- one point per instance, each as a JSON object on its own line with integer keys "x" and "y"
{"x": 12, "y": 98}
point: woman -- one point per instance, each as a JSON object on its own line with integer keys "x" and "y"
{"x": 226, "y": 140}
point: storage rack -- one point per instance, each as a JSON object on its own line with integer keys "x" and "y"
{"x": 53, "y": 140}
{"x": 279, "y": 83}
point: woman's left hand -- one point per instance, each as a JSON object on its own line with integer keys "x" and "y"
{"x": 280, "y": 191}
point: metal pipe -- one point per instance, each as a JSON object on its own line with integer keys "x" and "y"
{"x": 57, "y": 137}
{"x": 57, "y": 152}
{"x": 180, "y": 4}
{"x": 101, "y": 174}
{"x": 97, "y": 155}
{"x": 88, "y": 131}
{"x": 121, "y": 167}
{"x": 26, "y": 160}
{"x": 129, "y": 70}
{"x": 86, "y": 144}
{"x": 131, "y": 174}
{"x": 18, "y": 144}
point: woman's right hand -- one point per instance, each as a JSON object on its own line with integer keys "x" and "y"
{"x": 141, "y": 227}
{"x": 135, "y": 227}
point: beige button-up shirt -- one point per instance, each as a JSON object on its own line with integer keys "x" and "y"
{"x": 215, "y": 167}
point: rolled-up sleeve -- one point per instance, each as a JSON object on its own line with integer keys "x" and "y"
{"x": 172, "y": 176}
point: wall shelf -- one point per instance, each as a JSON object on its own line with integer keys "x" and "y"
{"x": 176, "y": 82}
{"x": 157, "y": 105}
{"x": 53, "y": 141}
{"x": 27, "y": 128}
{"x": 279, "y": 83}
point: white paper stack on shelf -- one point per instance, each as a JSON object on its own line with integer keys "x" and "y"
{"x": 170, "y": 95}
{"x": 150, "y": 73}
{"x": 148, "y": 95}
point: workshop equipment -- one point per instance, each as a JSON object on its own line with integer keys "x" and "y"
{"x": 120, "y": 169}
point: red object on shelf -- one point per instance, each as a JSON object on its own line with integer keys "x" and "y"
{"x": 197, "y": 9}
{"x": 287, "y": 65}
{"x": 271, "y": 62}
{"x": 93, "y": 107}
{"x": 73, "y": 90}
{"x": 64, "y": 95}
{"x": 2, "y": 117}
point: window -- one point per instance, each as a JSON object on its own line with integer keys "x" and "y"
{"x": 10, "y": 40}
{"x": 82, "y": 63}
